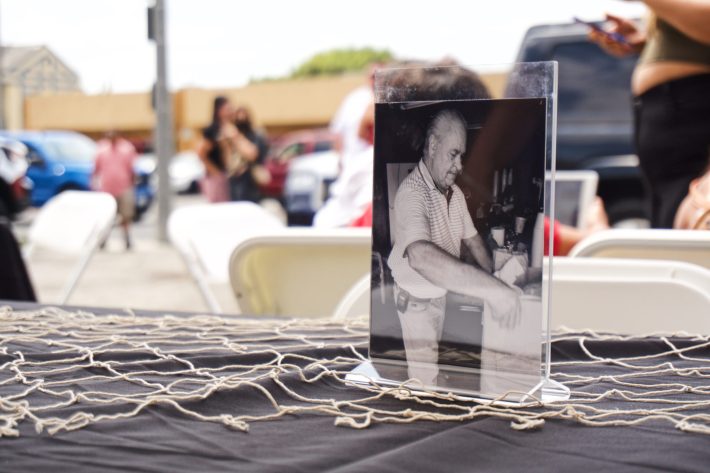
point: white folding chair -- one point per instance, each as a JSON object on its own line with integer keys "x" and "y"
{"x": 206, "y": 234}
{"x": 299, "y": 272}
{"x": 691, "y": 246}
{"x": 73, "y": 223}
{"x": 630, "y": 296}
{"x": 356, "y": 301}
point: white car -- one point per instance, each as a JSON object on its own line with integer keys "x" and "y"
{"x": 185, "y": 169}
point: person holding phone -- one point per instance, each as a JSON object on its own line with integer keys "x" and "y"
{"x": 671, "y": 88}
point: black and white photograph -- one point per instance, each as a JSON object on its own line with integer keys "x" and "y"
{"x": 458, "y": 235}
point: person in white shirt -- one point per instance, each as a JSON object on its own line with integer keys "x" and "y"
{"x": 351, "y": 192}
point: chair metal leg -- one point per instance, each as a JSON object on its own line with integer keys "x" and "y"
{"x": 79, "y": 269}
{"x": 201, "y": 282}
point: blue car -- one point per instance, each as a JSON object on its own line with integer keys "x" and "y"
{"x": 64, "y": 160}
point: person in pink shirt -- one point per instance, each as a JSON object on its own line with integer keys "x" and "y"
{"x": 113, "y": 173}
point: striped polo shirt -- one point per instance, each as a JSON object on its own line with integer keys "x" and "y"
{"x": 421, "y": 212}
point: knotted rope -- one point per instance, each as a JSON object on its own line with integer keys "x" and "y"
{"x": 62, "y": 370}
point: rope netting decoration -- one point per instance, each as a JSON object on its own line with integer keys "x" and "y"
{"x": 61, "y": 371}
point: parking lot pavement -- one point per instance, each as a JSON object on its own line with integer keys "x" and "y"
{"x": 151, "y": 275}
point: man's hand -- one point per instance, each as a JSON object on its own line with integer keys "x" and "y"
{"x": 504, "y": 306}
{"x": 531, "y": 275}
{"x": 635, "y": 38}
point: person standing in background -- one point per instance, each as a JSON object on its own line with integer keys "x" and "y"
{"x": 15, "y": 282}
{"x": 113, "y": 173}
{"x": 694, "y": 211}
{"x": 671, "y": 88}
{"x": 345, "y": 124}
{"x": 353, "y": 125}
{"x": 214, "y": 184}
{"x": 251, "y": 148}
{"x": 351, "y": 194}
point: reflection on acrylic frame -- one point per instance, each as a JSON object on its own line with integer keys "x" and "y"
{"x": 458, "y": 300}
{"x": 575, "y": 192}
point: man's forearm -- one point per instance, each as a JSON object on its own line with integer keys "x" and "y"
{"x": 691, "y": 17}
{"x": 447, "y": 272}
{"x": 478, "y": 248}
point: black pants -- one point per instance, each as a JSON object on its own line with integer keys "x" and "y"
{"x": 15, "y": 282}
{"x": 243, "y": 187}
{"x": 673, "y": 141}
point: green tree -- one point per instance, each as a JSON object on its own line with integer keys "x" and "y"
{"x": 338, "y": 61}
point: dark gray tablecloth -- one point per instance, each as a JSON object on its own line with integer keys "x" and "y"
{"x": 161, "y": 439}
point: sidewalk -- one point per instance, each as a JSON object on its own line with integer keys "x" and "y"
{"x": 151, "y": 275}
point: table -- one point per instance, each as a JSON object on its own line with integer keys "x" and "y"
{"x": 160, "y": 438}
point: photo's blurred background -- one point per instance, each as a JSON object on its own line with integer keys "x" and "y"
{"x": 74, "y": 70}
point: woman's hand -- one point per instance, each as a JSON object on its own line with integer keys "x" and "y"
{"x": 634, "y": 37}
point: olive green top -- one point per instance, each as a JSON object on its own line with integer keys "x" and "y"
{"x": 666, "y": 43}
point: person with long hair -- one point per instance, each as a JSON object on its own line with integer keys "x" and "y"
{"x": 214, "y": 184}
{"x": 250, "y": 148}
{"x": 671, "y": 88}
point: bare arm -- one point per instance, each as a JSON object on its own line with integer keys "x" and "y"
{"x": 447, "y": 272}
{"x": 244, "y": 147}
{"x": 367, "y": 121}
{"x": 479, "y": 250}
{"x": 634, "y": 36}
{"x": 231, "y": 139}
{"x": 691, "y": 17}
{"x": 97, "y": 168}
{"x": 95, "y": 185}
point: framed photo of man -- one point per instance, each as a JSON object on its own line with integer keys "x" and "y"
{"x": 458, "y": 210}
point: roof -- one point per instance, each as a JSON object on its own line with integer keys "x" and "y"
{"x": 16, "y": 59}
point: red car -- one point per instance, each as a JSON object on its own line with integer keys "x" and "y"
{"x": 289, "y": 146}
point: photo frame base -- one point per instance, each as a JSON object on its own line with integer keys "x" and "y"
{"x": 552, "y": 391}
{"x": 547, "y": 390}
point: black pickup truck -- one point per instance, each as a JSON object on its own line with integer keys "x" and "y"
{"x": 594, "y": 114}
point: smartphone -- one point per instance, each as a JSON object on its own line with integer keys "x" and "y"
{"x": 613, "y": 36}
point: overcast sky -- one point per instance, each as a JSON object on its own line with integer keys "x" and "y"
{"x": 224, "y": 43}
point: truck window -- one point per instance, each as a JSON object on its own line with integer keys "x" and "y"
{"x": 593, "y": 86}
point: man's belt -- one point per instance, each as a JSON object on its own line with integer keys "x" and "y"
{"x": 404, "y": 298}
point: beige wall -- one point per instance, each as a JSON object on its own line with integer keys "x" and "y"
{"x": 14, "y": 108}
{"x": 278, "y": 106}
{"x": 89, "y": 113}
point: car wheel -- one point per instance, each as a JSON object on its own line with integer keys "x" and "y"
{"x": 71, "y": 187}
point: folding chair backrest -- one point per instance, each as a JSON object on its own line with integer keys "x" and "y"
{"x": 630, "y": 296}
{"x": 211, "y": 231}
{"x": 692, "y": 246}
{"x": 206, "y": 234}
{"x": 73, "y": 220}
{"x": 356, "y": 301}
{"x": 72, "y": 223}
{"x": 300, "y": 272}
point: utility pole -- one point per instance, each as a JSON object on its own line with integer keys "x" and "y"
{"x": 2, "y": 86}
{"x": 164, "y": 115}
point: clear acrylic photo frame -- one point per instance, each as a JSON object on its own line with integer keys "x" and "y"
{"x": 531, "y": 80}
